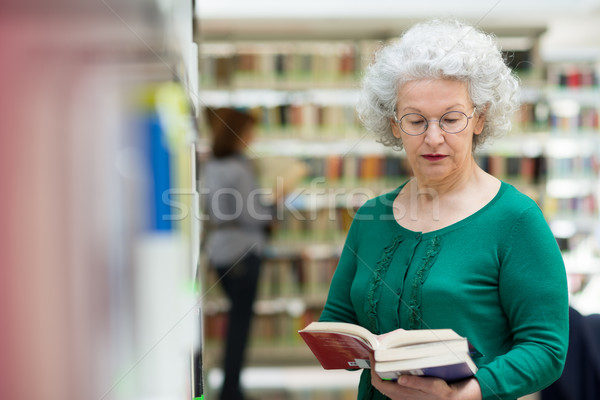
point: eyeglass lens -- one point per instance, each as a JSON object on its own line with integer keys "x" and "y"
{"x": 451, "y": 122}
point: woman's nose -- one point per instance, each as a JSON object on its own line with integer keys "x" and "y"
{"x": 433, "y": 133}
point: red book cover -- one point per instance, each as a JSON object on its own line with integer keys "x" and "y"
{"x": 338, "y": 351}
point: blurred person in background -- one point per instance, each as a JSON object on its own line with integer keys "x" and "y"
{"x": 237, "y": 232}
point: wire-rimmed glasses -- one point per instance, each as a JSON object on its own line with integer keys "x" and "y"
{"x": 415, "y": 124}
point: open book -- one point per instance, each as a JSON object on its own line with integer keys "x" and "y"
{"x": 429, "y": 352}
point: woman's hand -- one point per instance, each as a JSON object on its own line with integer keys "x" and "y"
{"x": 424, "y": 388}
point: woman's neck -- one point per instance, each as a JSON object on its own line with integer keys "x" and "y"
{"x": 427, "y": 207}
{"x": 449, "y": 185}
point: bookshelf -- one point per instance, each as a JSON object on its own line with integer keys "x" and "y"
{"x": 96, "y": 276}
{"x": 574, "y": 99}
{"x": 304, "y": 98}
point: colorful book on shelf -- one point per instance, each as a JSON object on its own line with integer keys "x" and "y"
{"x": 428, "y": 352}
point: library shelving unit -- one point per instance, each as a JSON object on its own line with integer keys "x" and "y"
{"x": 552, "y": 155}
{"x": 303, "y": 92}
{"x": 97, "y": 154}
{"x": 572, "y": 151}
{"x": 574, "y": 99}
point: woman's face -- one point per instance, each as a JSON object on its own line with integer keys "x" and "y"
{"x": 436, "y": 155}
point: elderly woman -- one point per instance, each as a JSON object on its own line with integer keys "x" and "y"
{"x": 453, "y": 247}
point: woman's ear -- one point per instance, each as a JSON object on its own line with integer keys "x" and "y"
{"x": 395, "y": 128}
{"x": 479, "y": 118}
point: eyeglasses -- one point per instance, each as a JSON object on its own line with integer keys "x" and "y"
{"x": 415, "y": 124}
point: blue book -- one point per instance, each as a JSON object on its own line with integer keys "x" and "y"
{"x": 160, "y": 175}
{"x": 452, "y": 366}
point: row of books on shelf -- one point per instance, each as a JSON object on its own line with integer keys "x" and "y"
{"x": 307, "y": 120}
{"x": 557, "y": 117}
{"x": 353, "y": 171}
{"x": 580, "y": 167}
{"x": 258, "y": 64}
{"x": 534, "y": 170}
{"x": 531, "y": 117}
{"x": 312, "y": 225}
{"x": 267, "y": 328}
{"x": 394, "y": 169}
{"x": 526, "y": 170}
{"x": 252, "y": 65}
{"x": 586, "y": 120}
{"x": 573, "y": 75}
{"x": 287, "y": 284}
{"x": 297, "y": 276}
{"x": 355, "y": 167}
{"x": 572, "y": 208}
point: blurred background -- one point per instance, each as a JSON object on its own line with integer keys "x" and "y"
{"x": 104, "y": 290}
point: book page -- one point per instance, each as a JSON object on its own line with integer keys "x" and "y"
{"x": 422, "y": 350}
{"x": 411, "y": 337}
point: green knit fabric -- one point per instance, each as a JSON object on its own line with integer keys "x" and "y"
{"x": 496, "y": 277}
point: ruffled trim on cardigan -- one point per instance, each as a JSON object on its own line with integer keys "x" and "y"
{"x": 414, "y": 321}
{"x": 373, "y": 294}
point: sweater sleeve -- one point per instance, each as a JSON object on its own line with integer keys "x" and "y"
{"x": 534, "y": 295}
{"x": 339, "y": 307}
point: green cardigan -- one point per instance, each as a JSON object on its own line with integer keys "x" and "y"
{"x": 496, "y": 277}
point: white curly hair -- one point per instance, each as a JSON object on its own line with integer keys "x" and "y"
{"x": 439, "y": 49}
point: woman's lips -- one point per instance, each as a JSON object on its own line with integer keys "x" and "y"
{"x": 434, "y": 157}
